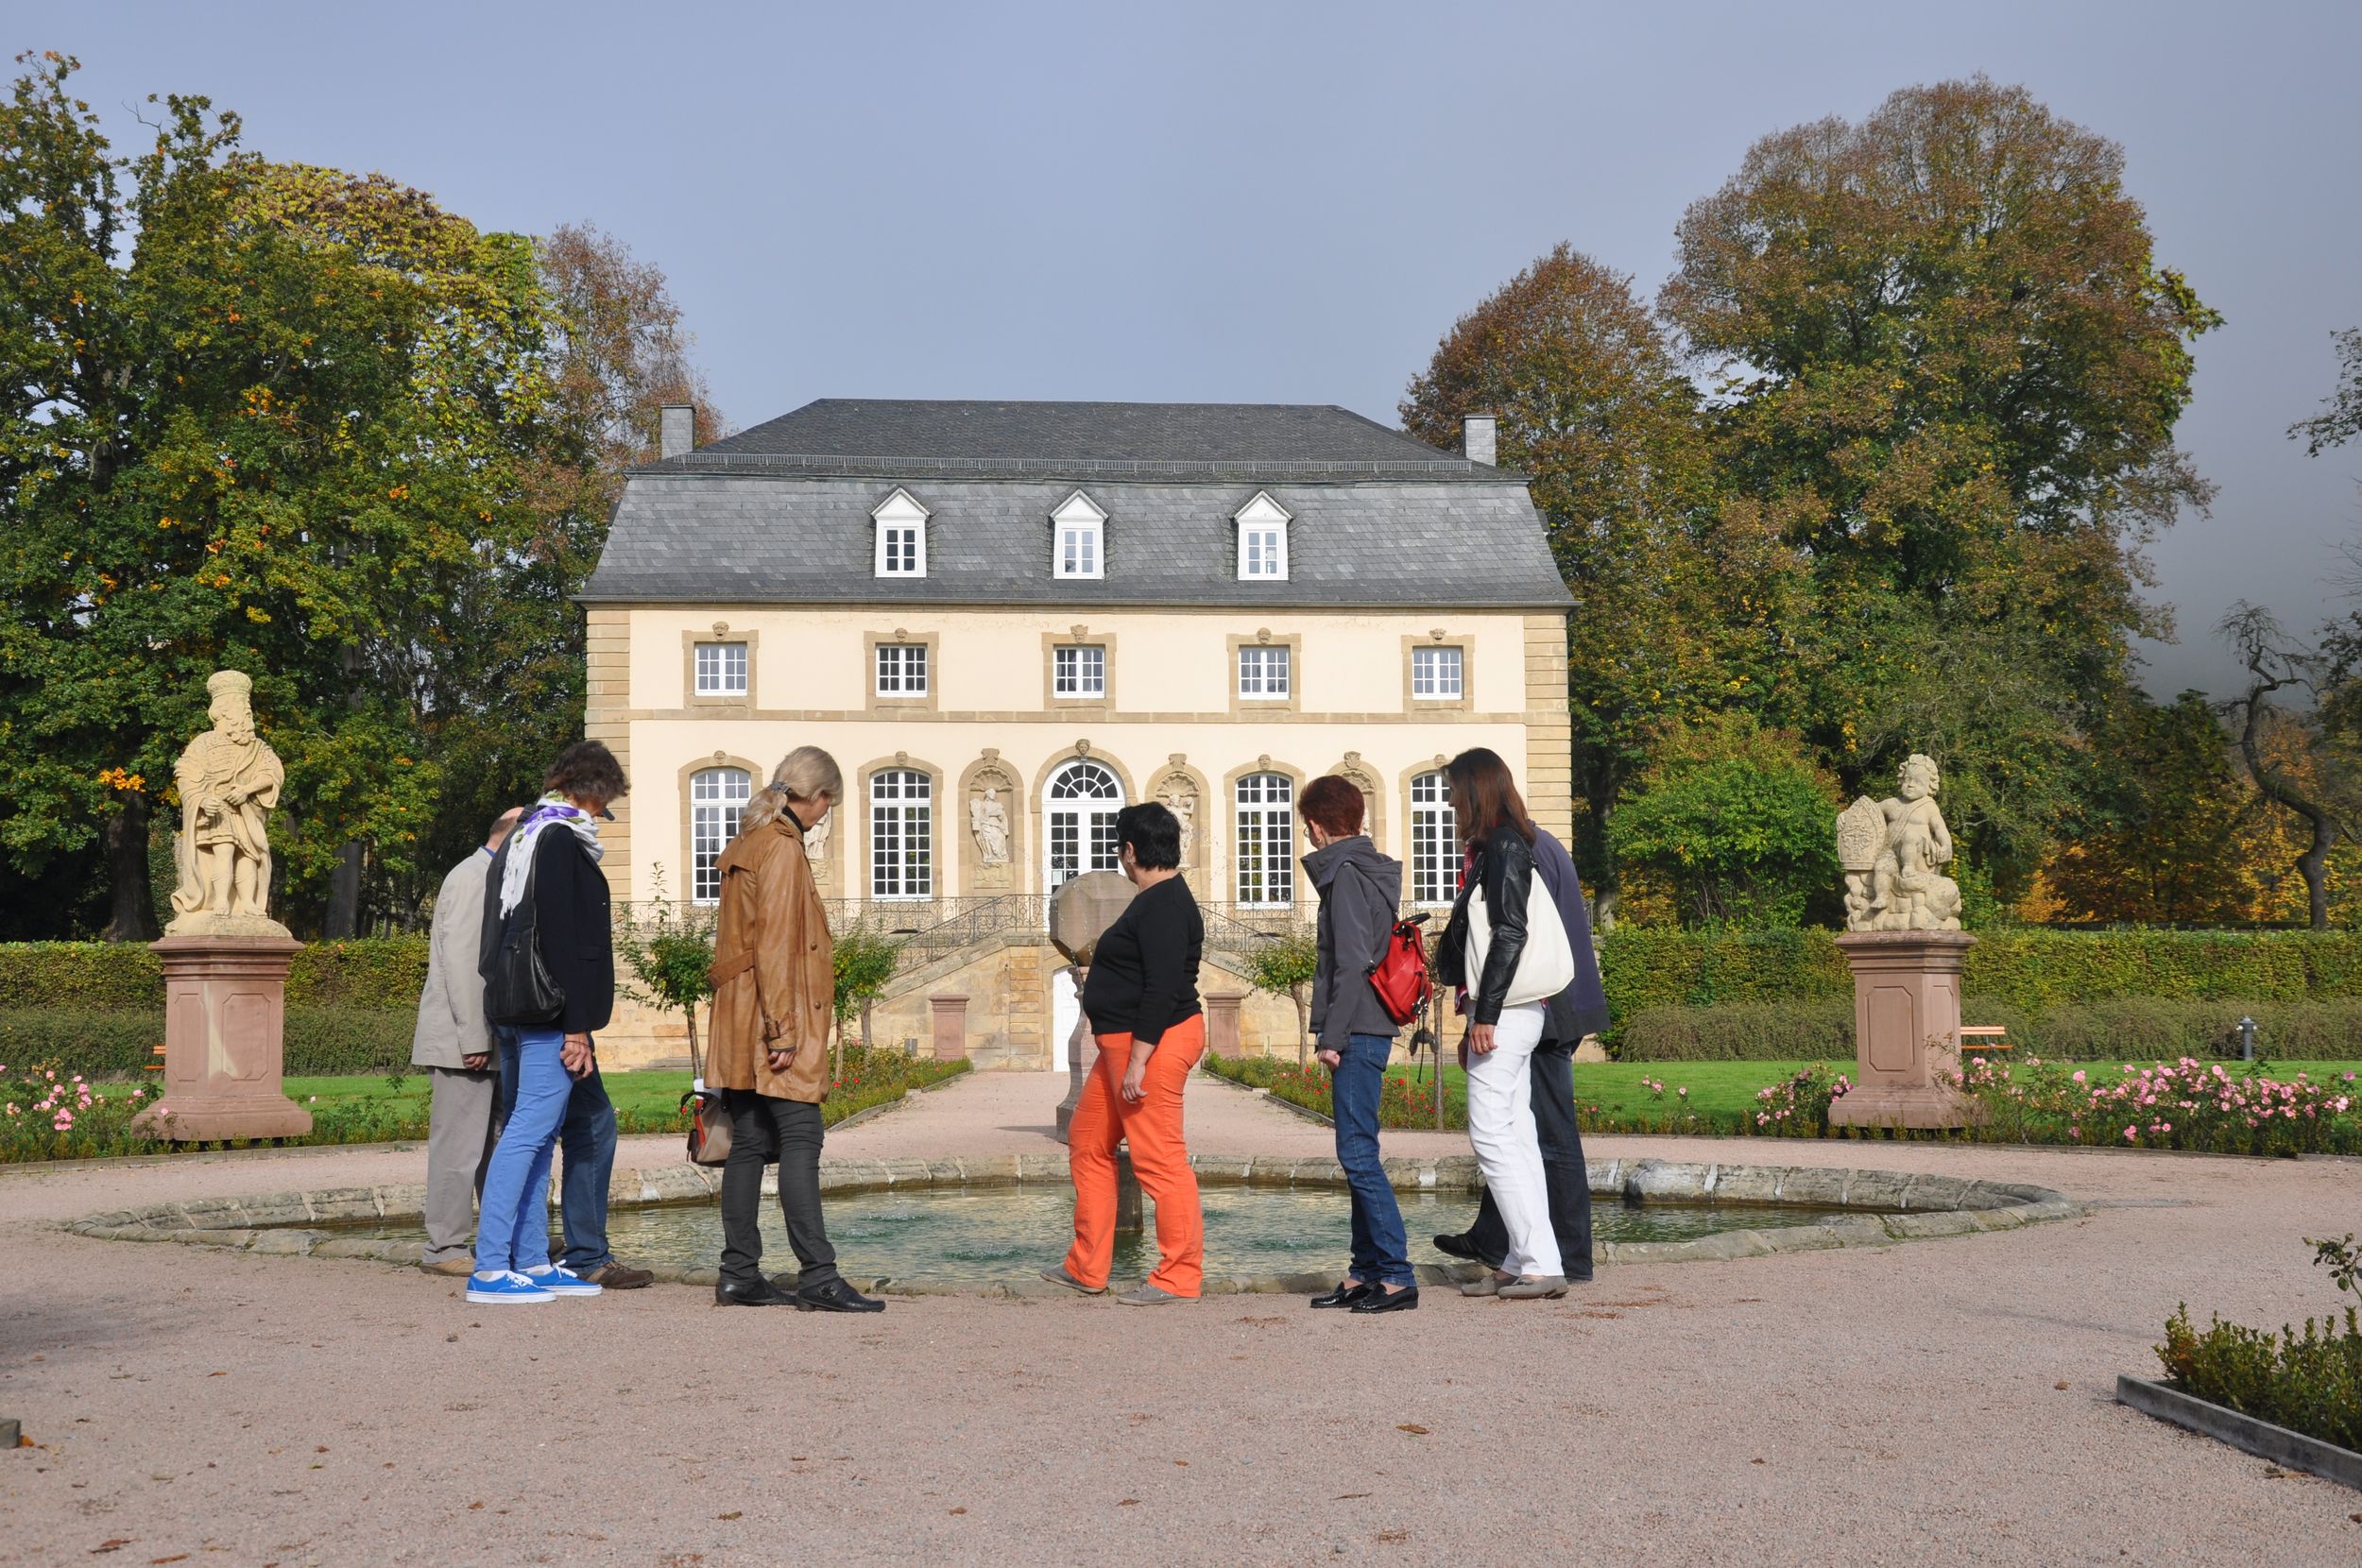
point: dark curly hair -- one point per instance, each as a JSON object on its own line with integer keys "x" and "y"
{"x": 586, "y": 770}
{"x": 1153, "y": 833}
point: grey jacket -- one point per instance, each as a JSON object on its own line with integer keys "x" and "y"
{"x": 1359, "y": 890}
{"x": 451, "y": 1010}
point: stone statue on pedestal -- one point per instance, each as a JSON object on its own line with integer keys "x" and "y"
{"x": 1892, "y": 851}
{"x": 228, "y": 781}
{"x": 988, "y": 820}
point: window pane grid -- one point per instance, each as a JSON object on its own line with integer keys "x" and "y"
{"x": 1078, "y": 552}
{"x": 721, "y": 669}
{"x": 1080, "y": 672}
{"x": 901, "y": 669}
{"x": 717, "y": 803}
{"x": 901, "y": 551}
{"x": 1434, "y": 842}
{"x": 1266, "y": 829}
{"x": 1265, "y": 556}
{"x": 1263, "y": 671}
{"x": 1435, "y": 673}
{"x": 901, "y": 835}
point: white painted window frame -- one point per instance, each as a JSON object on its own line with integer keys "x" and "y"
{"x": 714, "y": 675}
{"x": 1083, "y": 522}
{"x": 900, "y": 513}
{"x": 1262, "y": 526}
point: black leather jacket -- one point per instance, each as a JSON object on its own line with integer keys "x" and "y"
{"x": 1504, "y": 876}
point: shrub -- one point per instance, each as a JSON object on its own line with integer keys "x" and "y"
{"x": 2309, "y": 1383}
{"x": 48, "y": 1113}
{"x": 386, "y": 974}
{"x": 320, "y": 1041}
{"x": 2112, "y": 1029}
{"x": 1743, "y": 841}
{"x": 1741, "y": 1032}
{"x": 2187, "y": 1104}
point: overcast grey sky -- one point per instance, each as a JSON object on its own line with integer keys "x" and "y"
{"x": 1275, "y": 202}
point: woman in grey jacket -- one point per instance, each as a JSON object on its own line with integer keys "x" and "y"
{"x": 1359, "y": 890}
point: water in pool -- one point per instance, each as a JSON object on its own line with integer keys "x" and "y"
{"x": 981, "y": 1235}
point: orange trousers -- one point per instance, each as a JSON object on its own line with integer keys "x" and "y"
{"x": 1104, "y": 1118}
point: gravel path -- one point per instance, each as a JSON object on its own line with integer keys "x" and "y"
{"x": 1937, "y": 1403}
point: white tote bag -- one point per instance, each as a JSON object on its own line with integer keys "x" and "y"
{"x": 1548, "y": 964}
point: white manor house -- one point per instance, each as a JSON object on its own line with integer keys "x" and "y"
{"x": 1009, "y": 619}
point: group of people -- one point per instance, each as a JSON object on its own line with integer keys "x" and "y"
{"x": 509, "y": 1092}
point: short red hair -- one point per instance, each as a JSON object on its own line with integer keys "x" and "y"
{"x": 1332, "y": 805}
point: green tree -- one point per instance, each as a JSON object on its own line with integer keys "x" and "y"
{"x": 669, "y": 949}
{"x": 1949, "y": 363}
{"x": 865, "y": 961}
{"x": 1283, "y": 964}
{"x": 1737, "y": 821}
{"x": 2161, "y": 838}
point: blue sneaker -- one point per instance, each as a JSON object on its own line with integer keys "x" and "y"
{"x": 506, "y": 1285}
{"x": 558, "y": 1280}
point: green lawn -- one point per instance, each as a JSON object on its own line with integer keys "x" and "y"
{"x": 641, "y": 1097}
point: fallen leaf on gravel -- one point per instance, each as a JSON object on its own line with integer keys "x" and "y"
{"x": 734, "y": 1513}
{"x": 116, "y": 1545}
{"x": 451, "y": 1339}
{"x": 1129, "y": 1503}
{"x": 1183, "y": 1463}
{"x": 959, "y": 1510}
{"x": 1756, "y": 1461}
{"x": 177, "y": 1557}
{"x": 472, "y": 1506}
{"x": 2356, "y": 1517}
{"x": 209, "y": 1374}
{"x": 1412, "y": 1427}
{"x": 2062, "y": 1383}
{"x": 1351, "y": 1495}
{"x": 1393, "y": 1535}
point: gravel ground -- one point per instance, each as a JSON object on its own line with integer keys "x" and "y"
{"x": 1936, "y": 1403}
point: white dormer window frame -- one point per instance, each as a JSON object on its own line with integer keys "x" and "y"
{"x": 1078, "y": 539}
{"x": 1262, "y": 528}
{"x": 901, "y": 550}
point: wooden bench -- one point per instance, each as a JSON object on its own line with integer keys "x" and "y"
{"x": 1983, "y": 1039}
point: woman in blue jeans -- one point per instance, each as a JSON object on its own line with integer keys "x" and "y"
{"x": 557, "y": 843}
{"x": 1359, "y": 890}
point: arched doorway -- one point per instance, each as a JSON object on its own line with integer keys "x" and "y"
{"x": 1079, "y": 809}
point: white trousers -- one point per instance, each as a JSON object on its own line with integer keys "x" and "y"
{"x": 1500, "y": 1130}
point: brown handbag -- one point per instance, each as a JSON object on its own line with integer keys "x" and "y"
{"x": 708, "y": 1116}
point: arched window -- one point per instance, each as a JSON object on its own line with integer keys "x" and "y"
{"x": 1266, "y": 839}
{"x": 1079, "y": 816}
{"x": 1434, "y": 842}
{"x": 717, "y": 801}
{"x": 901, "y": 835}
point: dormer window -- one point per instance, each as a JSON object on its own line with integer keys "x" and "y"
{"x": 1262, "y": 541}
{"x": 1078, "y": 531}
{"x": 901, "y": 524}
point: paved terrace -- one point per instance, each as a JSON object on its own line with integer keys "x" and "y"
{"x": 1941, "y": 1402}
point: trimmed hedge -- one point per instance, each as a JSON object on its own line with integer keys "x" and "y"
{"x": 2124, "y": 1029}
{"x": 321, "y": 1041}
{"x": 384, "y": 974}
{"x": 2029, "y": 968}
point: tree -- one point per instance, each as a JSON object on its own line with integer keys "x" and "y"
{"x": 2274, "y": 663}
{"x": 1681, "y": 608}
{"x": 2167, "y": 835}
{"x": 670, "y": 950}
{"x": 2341, "y": 421}
{"x": 1282, "y": 964}
{"x": 1737, "y": 821}
{"x": 865, "y": 962}
{"x": 1950, "y": 366}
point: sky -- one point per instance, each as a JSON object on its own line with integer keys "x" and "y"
{"x": 1287, "y": 203}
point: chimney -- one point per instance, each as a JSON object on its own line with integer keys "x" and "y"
{"x": 1475, "y": 438}
{"x": 677, "y": 432}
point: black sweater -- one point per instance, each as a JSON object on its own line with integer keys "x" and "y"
{"x": 570, "y": 899}
{"x": 1143, "y": 973}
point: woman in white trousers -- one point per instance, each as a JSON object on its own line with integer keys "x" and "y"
{"x": 1507, "y": 950}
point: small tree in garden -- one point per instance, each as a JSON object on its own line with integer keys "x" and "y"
{"x": 1283, "y": 966}
{"x": 865, "y": 962}
{"x": 671, "y": 953}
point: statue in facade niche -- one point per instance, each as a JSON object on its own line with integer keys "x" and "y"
{"x": 1892, "y": 852}
{"x": 988, "y": 820}
{"x": 228, "y": 781}
{"x": 1183, "y": 805}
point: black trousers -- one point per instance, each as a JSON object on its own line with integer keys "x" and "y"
{"x": 1563, "y": 1170}
{"x": 762, "y": 1130}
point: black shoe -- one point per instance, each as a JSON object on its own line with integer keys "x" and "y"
{"x": 1457, "y": 1246}
{"x": 760, "y": 1293}
{"x": 1348, "y": 1293}
{"x": 1381, "y": 1300}
{"x": 835, "y": 1296}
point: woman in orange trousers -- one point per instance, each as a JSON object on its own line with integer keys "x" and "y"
{"x": 1142, "y": 1000}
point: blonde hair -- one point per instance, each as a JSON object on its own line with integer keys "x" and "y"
{"x": 803, "y": 773}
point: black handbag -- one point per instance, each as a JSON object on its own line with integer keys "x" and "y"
{"x": 519, "y": 992}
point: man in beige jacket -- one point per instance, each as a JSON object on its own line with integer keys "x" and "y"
{"x": 454, "y": 1042}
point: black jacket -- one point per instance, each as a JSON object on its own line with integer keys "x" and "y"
{"x": 1359, "y": 890}
{"x": 1144, "y": 972}
{"x": 569, "y": 899}
{"x": 1581, "y": 1008}
{"x": 1503, "y": 877}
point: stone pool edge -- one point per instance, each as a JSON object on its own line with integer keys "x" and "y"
{"x": 274, "y": 1224}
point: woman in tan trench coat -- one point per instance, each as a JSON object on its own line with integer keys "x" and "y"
{"x": 774, "y": 998}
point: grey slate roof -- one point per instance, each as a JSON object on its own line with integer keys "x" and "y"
{"x": 1381, "y": 521}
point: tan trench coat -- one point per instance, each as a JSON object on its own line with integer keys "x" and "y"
{"x": 773, "y": 968}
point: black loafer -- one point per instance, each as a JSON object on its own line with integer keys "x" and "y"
{"x": 835, "y": 1296}
{"x": 1457, "y": 1246}
{"x": 1381, "y": 1300}
{"x": 1346, "y": 1294}
{"x": 762, "y": 1293}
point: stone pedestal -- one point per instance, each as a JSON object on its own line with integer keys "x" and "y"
{"x": 224, "y": 1017}
{"x": 1081, "y": 1051}
{"x": 948, "y": 1017}
{"x": 1223, "y": 1023}
{"x": 1907, "y": 1030}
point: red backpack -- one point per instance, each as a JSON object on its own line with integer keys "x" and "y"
{"x": 1399, "y": 976}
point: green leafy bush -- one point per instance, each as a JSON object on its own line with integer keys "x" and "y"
{"x": 320, "y": 1041}
{"x": 1743, "y": 841}
{"x": 2309, "y": 1382}
{"x": 386, "y": 974}
{"x": 2112, "y": 1029}
{"x": 1741, "y": 1032}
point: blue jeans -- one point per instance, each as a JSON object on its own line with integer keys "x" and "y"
{"x": 513, "y": 1231}
{"x": 1380, "y": 1251}
{"x": 587, "y": 1137}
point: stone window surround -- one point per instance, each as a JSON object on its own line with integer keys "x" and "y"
{"x": 1439, "y": 637}
{"x": 1036, "y": 801}
{"x": 1076, "y": 637}
{"x": 1225, "y": 842}
{"x": 938, "y": 863}
{"x": 719, "y": 632}
{"x": 1254, "y": 707}
{"x": 932, "y": 641}
{"x": 684, "y": 890}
